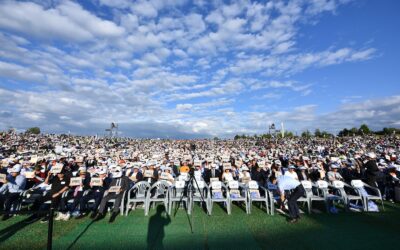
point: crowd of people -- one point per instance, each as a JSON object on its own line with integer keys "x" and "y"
{"x": 52, "y": 169}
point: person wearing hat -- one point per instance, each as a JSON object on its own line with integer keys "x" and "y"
{"x": 135, "y": 176}
{"x": 119, "y": 184}
{"x": 96, "y": 193}
{"x": 292, "y": 172}
{"x": 213, "y": 172}
{"x": 10, "y": 192}
{"x": 371, "y": 169}
{"x": 392, "y": 181}
{"x": 334, "y": 175}
{"x": 244, "y": 175}
{"x": 302, "y": 174}
{"x": 77, "y": 195}
{"x": 59, "y": 184}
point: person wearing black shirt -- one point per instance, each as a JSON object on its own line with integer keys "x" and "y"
{"x": 59, "y": 184}
{"x": 212, "y": 173}
{"x": 78, "y": 192}
{"x": 371, "y": 170}
{"x": 118, "y": 186}
{"x": 96, "y": 193}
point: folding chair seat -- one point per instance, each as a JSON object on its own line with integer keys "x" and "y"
{"x": 138, "y": 193}
{"x": 260, "y": 194}
{"x": 197, "y": 194}
{"x": 237, "y": 193}
{"x": 176, "y": 193}
{"x": 158, "y": 192}
{"x": 363, "y": 188}
{"x": 218, "y": 193}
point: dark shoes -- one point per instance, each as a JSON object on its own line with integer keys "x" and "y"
{"x": 100, "y": 216}
{"x": 294, "y": 220}
{"x": 93, "y": 215}
{"x": 6, "y": 217}
{"x": 81, "y": 216}
{"x": 113, "y": 216}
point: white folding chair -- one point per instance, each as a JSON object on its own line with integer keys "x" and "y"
{"x": 254, "y": 195}
{"x": 176, "y": 193}
{"x": 362, "y": 188}
{"x": 138, "y": 193}
{"x": 237, "y": 193}
{"x": 218, "y": 193}
{"x": 197, "y": 194}
{"x": 158, "y": 192}
{"x": 308, "y": 193}
{"x": 320, "y": 188}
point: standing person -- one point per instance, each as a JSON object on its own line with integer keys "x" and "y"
{"x": 371, "y": 169}
{"x": 14, "y": 186}
{"x": 292, "y": 190}
{"x": 118, "y": 186}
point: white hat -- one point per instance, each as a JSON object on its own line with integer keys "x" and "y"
{"x": 82, "y": 169}
{"x": 117, "y": 172}
{"x": 371, "y": 155}
{"x": 15, "y": 169}
{"x": 278, "y": 162}
{"x": 245, "y": 168}
{"x": 102, "y": 172}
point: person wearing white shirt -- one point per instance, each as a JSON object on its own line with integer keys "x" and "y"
{"x": 294, "y": 190}
{"x": 292, "y": 173}
{"x": 12, "y": 188}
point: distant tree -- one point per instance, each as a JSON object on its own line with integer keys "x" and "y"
{"x": 216, "y": 139}
{"x": 364, "y": 130}
{"x": 33, "y": 130}
{"x": 344, "y": 132}
{"x": 289, "y": 134}
{"x": 306, "y": 134}
{"x": 317, "y": 133}
{"x": 325, "y": 134}
{"x": 353, "y": 131}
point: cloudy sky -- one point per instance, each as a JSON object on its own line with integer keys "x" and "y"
{"x": 185, "y": 69}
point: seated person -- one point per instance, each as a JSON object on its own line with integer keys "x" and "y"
{"x": 292, "y": 172}
{"x": 96, "y": 193}
{"x": 11, "y": 189}
{"x": 78, "y": 193}
{"x": 59, "y": 184}
{"x": 334, "y": 175}
{"x": 118, "y": 186}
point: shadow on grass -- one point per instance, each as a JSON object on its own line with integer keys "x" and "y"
{"x": 155, "y": 232}
{"x": 80, "y": 235}
{"x": 13, "y": 229}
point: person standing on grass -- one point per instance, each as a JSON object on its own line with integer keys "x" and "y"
{"x": 291, "y": 190}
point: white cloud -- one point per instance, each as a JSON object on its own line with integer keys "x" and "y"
{"x": 77, "y": 24}
{"x": 136, "y": 62}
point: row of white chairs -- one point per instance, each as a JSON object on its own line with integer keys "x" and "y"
{"x": 357, "y": 192}
{"x": 217, "y": 192}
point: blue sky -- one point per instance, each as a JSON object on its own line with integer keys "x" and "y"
{"x": 190, "y": 69}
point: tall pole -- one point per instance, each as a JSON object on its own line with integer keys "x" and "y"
{"x": 50, "y": 229}
{"x": 282, "y": 130}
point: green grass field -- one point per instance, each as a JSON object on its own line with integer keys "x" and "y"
{"x": 220, "y": 231}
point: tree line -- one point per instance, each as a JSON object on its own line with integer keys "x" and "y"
{"x": 362, "y": 130}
